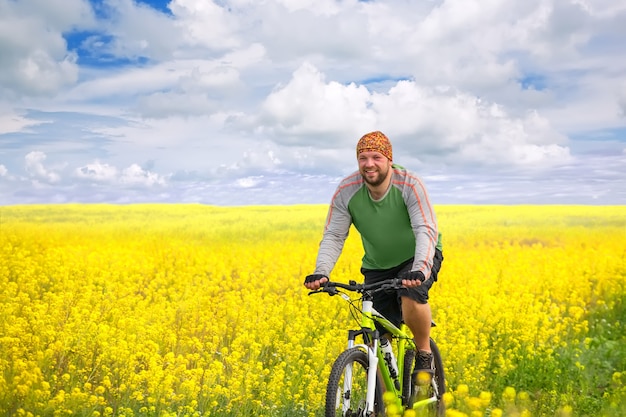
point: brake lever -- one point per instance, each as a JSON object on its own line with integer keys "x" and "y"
{"x": 329, "y": 290}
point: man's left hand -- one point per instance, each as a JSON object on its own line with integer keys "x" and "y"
{"x": 412, "y": 278}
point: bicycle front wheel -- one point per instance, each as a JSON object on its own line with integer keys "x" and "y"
{"x": 346, "y": 392}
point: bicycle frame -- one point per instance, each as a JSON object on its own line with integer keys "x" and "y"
{"x": 404, "y": 342}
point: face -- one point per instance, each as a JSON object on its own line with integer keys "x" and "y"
{"x": 374, "y": 167}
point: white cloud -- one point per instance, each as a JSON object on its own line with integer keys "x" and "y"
{"x": 3, "y": 171}
{"x": 135, "y": 175}
{"x": 218, "y": 95}
{"x": 308, "y": 105}
{"x": 176, "y": 87}
{"x": 59, "y": 14}
{"x": 248, "y": 182}
{"x": 160, "y": 105}
{"x": 13, "y": 122}
{"x": 206, "y": 24}
{"x": 140, "y": 31}
{"x": 320, "y": 7}
{"x": 257, "y": 160}
{"x": 97, "y": 171}
{"x": 33, "y": 55}
{"x": 420, "y": 119}
{"x": 36, "y": 170}
{"x": 621, "y": 100}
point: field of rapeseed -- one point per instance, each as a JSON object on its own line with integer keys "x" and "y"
{"x": 189, "y": 310}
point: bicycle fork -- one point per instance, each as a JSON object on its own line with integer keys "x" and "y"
{"x": 371, "y": 377}
{"x": 372, "y": 364}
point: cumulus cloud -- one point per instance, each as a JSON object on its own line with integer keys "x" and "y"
{"x": 206, "y": 24}
{"x": 34, "y": 59}
{"x": 37, "y": 171}
{"x": 3, "y": 171}
{"x": 97, "y": 171}
{"x": 308, "y": 105}
{"x": 423, "y": 120}
{"x": 234, "y": 94}
{"x": 138, "y": 32}
{"x": 248, "y": 182}
{"x": 134, "y": 175}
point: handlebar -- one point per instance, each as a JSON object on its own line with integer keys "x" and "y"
{"x": 330, "y": 287}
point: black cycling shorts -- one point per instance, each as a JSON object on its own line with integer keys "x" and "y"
{"x": 389, "y": 304}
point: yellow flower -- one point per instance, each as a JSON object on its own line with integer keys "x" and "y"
{"x": 194, "y": 309}
{"x": 462, "y": 390}
{"x": 485, "y": 398}
{"x": 389, "y": 397}
{"x": 496, "y": 412}
{"x": 565, "y": 411}
{"x": 448, "y": 399}
{"x": 509, "y": 394}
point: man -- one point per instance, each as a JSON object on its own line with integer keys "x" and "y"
{"x": 390, "y": 208}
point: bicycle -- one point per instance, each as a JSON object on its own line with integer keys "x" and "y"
{"x": 364, "y": 371}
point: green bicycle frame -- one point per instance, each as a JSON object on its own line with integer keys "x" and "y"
{"x": 403, "y": 342}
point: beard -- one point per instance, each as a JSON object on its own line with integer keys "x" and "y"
{"x": 375, "y": 182}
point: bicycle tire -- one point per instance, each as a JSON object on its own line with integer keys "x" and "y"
{"x": 356, "y": 392}
{"x": 440, "y": 378}
{"x": 438, "y": 409}
{"x": 409, "y": 361}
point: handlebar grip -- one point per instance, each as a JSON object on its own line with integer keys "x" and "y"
{"x": 314, "y": 277}
{"x": 329, "y": 289}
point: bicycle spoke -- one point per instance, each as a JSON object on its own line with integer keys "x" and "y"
{"x": 347, "y": 386}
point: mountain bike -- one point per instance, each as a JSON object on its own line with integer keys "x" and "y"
{"x": 365, "y": 371}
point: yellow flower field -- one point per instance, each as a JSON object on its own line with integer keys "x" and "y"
{"x": 190, "y": 310}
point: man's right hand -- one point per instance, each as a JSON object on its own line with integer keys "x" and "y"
{"x": 315, "y": 281}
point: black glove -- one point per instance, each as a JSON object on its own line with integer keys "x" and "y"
{"x": 314, "y": 277}
{"x": 412, "y": 276}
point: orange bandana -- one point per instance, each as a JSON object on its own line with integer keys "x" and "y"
{"x": 376, "y": 142}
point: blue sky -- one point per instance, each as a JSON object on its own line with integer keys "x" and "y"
{"x": 262, "y": 101}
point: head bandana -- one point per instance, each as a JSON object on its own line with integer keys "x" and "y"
{"x": 374, "y": 141}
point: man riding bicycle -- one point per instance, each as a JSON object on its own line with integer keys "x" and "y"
{"x": 390, "y": 208}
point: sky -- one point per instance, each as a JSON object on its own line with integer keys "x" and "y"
{"x": 258, "y": 102}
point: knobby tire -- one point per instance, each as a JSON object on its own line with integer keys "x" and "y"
{"x": 335, "y": 396}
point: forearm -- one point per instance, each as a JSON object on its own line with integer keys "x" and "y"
{"x": 329, "y": 252}
{"x": 425, "y": 244}
{"x": 338, "y": 223}
{"x": 425, "y": 228}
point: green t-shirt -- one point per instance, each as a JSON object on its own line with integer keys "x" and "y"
{"x": 400, "y": 226}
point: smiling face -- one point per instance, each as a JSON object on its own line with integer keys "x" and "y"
{"x": 374, "y": 167}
